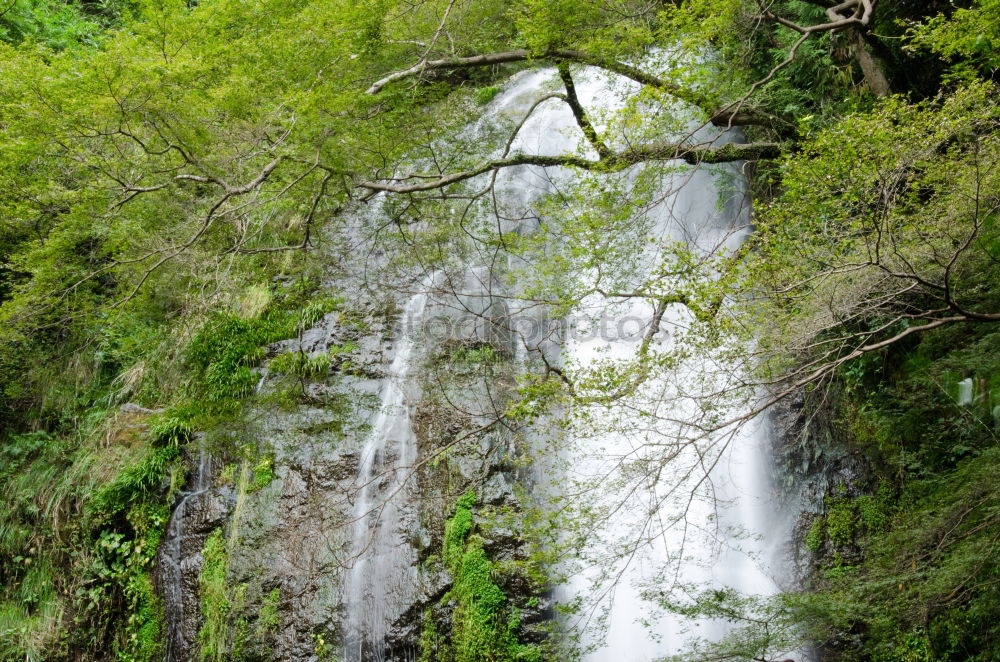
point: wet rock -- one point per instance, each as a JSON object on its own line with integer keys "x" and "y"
{"x": 812, "y": 459}
{"x": 209, "y": 510}
{"x": 536, "y": 621}
{"x": 178, "y": 564}
{"x": 498, "y": 489}
{"x": 294, "y": 534}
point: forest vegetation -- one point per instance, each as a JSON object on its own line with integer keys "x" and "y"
{"x": 180, "y": 178}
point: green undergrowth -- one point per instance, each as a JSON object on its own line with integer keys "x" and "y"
{"x": 60, "y": 24}
{"x": 484, "y": 622}
{"x": 848, "y": 520}
{"x": 86, "y": 497}
{"x": 215, "y": 601}
{"x": 225, "y": 351}
{"x": 80, "y": 523}
{"x": 300, "y": 364}
{"x": 906, "y": 570}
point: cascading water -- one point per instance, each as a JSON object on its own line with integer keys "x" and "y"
{"x": 381, "y": 571}
{"x": 683, "y": 524}
{"x": 171, "y": 563}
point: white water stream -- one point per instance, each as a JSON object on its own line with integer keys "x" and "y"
{"x": 381, "y": 573}
{"x": 694, "y": 523}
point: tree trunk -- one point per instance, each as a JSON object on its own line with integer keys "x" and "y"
{"x": 871, "y": 66}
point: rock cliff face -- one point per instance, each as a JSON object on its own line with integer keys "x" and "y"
{"x": 199, "y": 510}
{"x": 812, "y": 459}
{"x": 289, "y": 526}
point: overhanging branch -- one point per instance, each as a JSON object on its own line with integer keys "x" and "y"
{"x": 614, "y": 162}
{"x": 580, "y": 114}
{"x": 718, "y": 117}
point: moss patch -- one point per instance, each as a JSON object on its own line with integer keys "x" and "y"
{"x": 484, "y": 624}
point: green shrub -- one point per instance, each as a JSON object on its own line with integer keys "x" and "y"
{"x": 945, "y": 610}
{"x": 483, "y": 95}
{"x": 477, "y": 355}
{"x": 301, "y": 364}
{"x": 874, "y": 511}
{"x": 80, "y": 523}
{"x": 430, "y": 643}
{"x": 226, "y": 349}
{"x": 267, "y": 619}
{"x": 135, "y": 482}
{"x": 263, "y": 474}
{"x": 456, "y": 530}
{"x": 170, "y": 430}
{"x": 816, "y": 535}
{"x": 840, "y": 520}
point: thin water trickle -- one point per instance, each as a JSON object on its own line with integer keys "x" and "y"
{"x": 171, "y": 561}
{"x": 172, "y": 564}
{"x": 381, "y": 574}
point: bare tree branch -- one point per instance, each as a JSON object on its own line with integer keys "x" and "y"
{"x": 615, "y": 162}
{"x": 580, "y": 114}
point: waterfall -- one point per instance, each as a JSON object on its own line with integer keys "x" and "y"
{"x": 171, "y": 565}
{"x": 381, "y": 571}
{"x": 693, "y": 522}
{"x": 619, "y": 448}
{"x": 701, "y": 519}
